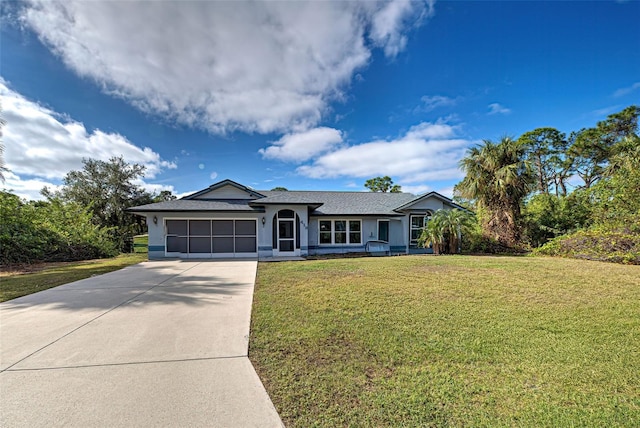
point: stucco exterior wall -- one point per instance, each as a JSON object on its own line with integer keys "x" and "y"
{"x": 431, "y": 204}
{"x": 225, "y": 192}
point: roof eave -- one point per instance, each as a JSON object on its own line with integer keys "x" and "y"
{"x": 315, "y": 214}
{"x": 168, "y": 210}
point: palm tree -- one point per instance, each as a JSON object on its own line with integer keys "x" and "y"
{"x": 432, "y": 235}
{"x": 445, "y": 227}
{"x": 498, "y": 178}
{"x": 455, "y": 222}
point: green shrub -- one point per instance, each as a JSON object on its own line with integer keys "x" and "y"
{"x": 474, "y": 241}
{"x": 548, "y": 216}
{"x": 49, "y": 231}
{"x": 621, "y": 245}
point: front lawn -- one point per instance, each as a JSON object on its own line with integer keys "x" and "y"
{"x": 449, "y": 341}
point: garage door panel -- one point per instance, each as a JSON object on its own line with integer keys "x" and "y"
{"x": 200, "y": 244}
{"x": 177, "y": 227}
{"x": 176, "y": 244}
{"x": 223, "y": 245}
{"x": 245, "y": 244}
{"x": 200, "y": 227}
{"x": 246, "y": 227}
{"x": 222, "y": 227}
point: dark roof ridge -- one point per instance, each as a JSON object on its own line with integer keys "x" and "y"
{"x": 231, "y": 200}
{"x": 337, "y": 191}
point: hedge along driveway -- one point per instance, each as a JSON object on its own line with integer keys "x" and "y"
{"x": 31, "y": 279}
{"x": 449, "y": 341}
{"x": 23, "y": 280}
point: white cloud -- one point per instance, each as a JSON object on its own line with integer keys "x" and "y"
{"x": 223, "y": 66}
{"x": 625, "y": 91}
{"x": 605, "y": 111}
{"x": 452, "y": 172}
{"x": 428, "y": 151}
{"x": 43, "y": 144}
{"x": 418, "y": 189}
{"x": 388, "y": 23}
{"x": 496, "y": 108}
{"x": 30, "y": 188}
{"x": 182, "y": 195}
{"x": 154, "y": 187}
{"x": 433, "y": 102}
{"x": 302, "y": 146}
{"x": 446, "y": 191}
{"x": 213, "y": 175}
{"x": 421, "y": 189}
{"x": 26, "y": 188}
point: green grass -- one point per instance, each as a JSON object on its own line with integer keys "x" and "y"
{"x": 31, "y": 279}
{"x": 141, "y": 244}
{"x": 449, "y": 341}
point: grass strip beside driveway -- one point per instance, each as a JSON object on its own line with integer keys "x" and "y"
{"x": 17, "y": 283}
{"x": 449, "y": 341}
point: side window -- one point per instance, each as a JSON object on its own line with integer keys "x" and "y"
{"x": 339, "y": 232}
{"x": 355, "y": 233}
{"x": 325, "y": 231}
{"x": 417, "y": 223}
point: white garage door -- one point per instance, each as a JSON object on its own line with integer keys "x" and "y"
{"x": 211, "y": 238}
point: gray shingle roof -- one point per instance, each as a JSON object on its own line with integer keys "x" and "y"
{"x": 197, "y": 205}
{"x": 321, "y": 202}
{"x": 339, "y": 203}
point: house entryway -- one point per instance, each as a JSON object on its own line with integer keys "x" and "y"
{"x": 287, "y": 234}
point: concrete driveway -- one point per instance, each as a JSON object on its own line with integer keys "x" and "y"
{"x": 156, "y": 344}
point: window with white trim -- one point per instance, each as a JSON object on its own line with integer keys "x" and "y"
{"x": 340, "y": 232}
{"x": 418, "y": 222}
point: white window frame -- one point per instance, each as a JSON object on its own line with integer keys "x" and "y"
{"x": 333, "y": 231}
{"x": 425, "y": 218}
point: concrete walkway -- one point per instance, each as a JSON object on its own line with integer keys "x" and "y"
{"x": 156, "y": 344}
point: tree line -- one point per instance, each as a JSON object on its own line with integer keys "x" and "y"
{"x": 87, "y": 218}
{"x": 522, "y": 191}
{"x": 572, "y": 195}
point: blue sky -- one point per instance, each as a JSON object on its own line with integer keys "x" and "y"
{"x": 305, "y": 95}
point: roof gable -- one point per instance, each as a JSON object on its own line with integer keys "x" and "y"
{"x": 227, "y": 190}
{"x": 429, "y": 201}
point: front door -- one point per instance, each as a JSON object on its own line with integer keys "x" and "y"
{"x": 286, "y": 236}
{"x": 383, "y": 230}
{"x": 285, "y": 233}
